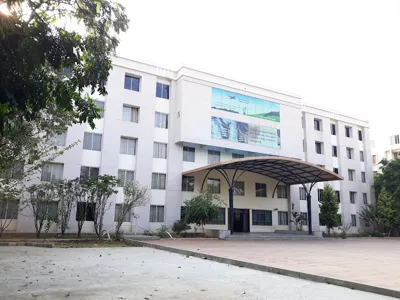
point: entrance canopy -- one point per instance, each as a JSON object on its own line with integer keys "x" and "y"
{"x": 284, "y": 169}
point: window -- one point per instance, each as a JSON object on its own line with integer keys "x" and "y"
{"x": 361, "y": 155}
{"x": 125, "y": 176}
{"x": 349, "y": 152}
{"x": 161, "y": 120}
{"x": 261, "y": 190}
{"x": 318, "y": 124}
{"x": 395, "y": 139}
{"x": 360, "y": 135}
{"x": 89, "y": 172}
{"x": 58, "y": 139}
{"x": 127, "y": 217}
{"x": 281, "y": 191}
{"x": 363, "y": 177}
{"x": 46, "y": 210}
{"x": 374, "y": 159}
{"x": 214, "y": 185}
{"x": 156, "y": 213}
{"x": 239, "y": 188}
{"x": 353, "y": 197}
{"x": 158, "y": 181}
{"x": 130, "y": 114}
{"x": 188, "y": 183}
{"x": 9, "y": 210}
{"x": 85, "y": 211}
{"x": 92, "y": 141}
{"x": 283, "y": 218}
{"x": 237, "y": 156}
{"x": 304, "y": 218}
{"x": 159, "y": 150}
{"x": 319, "y": 191}
{"x": 132, "y": 83}
{"x": 220, "y": 218}
{"x": 354, "y": 220}
{"x": 365, "y": 198}
{"x": 338, "y": 195}
{"x": 334, "y": 151}
{"x": 336, "y": 170}
{"x": 188, "y": 154}
{"x": 16, "y": 171}
{"x": 100, "y": 104}
{"x": 302, "y": 193}
{"x": 214, "y": 156}
{"x": 127, "y": 146}
{"x": 162, "y": 90}
{"x": 351, "y": 175}
{"x": 349, "y": 131}
{"x": 333, "y": 129}
{"x": 262, "y": 217}
{"x": 52, "y": 172}
{"x": 318, "y": 147}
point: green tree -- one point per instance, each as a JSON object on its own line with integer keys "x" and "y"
{"x": 386, "y": 211}
{"x": 56, "y": 51}
{"x": 99, "y": 191}
{"x": 201, "y": 208}
{"x": 135, "y": 195}
{"x": 42, "y": 197}
{"x": 329, "y": 206}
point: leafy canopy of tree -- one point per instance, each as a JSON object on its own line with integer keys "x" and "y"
{"x": 385, "y": 215}
{"x": 201, "y": 209}
{"x": 135, "y": 195}
{"x": 44, "y": 60}
{"x": 329, "y": 206}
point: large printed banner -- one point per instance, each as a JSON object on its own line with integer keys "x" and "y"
{"x": 240, "y": 132}
{"x": 245, "y": 105}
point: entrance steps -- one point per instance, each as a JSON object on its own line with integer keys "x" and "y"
{"x": 272, "y": 236}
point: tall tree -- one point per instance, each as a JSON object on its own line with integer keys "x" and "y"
{"x": 42, "y": 202}
{"x": 135, "y": 195}
{"x": 328, "y": 208}
{"x": 99, "y": 191}
{"x": 387, "y": 212}
{"x": 201, "y": 209}
{"x": 56, "y": 51}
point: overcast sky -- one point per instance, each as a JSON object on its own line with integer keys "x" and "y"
{"x": 342, "y": 55}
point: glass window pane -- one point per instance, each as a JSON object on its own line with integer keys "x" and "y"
{"x": 94, "y": 173}
{"x": 100, "y": 104}
{"x": 96, "y": 142}
{"x": 46, "y": 172}
{"x": 127, "y": 83}
{"x": 160, "y": 214}
{"x": 87, "y": 141}
{"x": 159, "y": 90}
{"x": 126, "y": 113}
{"x": 152, "y": 213}
{"x": 121, "y": 177}
{"x": 135, "y": 84}
{"x": 84, "y": 173}
{"x": 129, "y": 176}
{"x": 166, "y": 91}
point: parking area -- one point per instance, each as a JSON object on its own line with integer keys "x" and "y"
{"x": 368, "y": 261}
{"x": 145, "y": 273}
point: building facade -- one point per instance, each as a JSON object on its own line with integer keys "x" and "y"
{"x": 385, "y": 147}
{"x": 158, "y": 123}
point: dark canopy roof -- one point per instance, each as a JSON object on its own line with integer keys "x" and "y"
{"x": 287, "y": 170}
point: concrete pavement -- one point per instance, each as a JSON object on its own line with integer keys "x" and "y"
{"x": 144, "y": 273}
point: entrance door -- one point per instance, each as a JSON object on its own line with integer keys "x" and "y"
{"x": 241, "y": 220}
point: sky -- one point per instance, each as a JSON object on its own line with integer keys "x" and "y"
{"x": 340, "y": 55}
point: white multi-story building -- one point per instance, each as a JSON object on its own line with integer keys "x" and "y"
{"x": 159, "y": 123}
{"x": 385, "y": 147}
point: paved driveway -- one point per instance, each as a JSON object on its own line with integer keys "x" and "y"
{"x": 146, "y": 274}
{"x": 374, "y": 262}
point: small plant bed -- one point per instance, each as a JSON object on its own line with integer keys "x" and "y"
{"x": 89, "y": 244}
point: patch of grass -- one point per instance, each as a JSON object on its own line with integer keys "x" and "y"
{"x": 90, "y": 244}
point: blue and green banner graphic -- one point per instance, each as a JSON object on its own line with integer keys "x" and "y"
{"x": 240, "y": 132}
{"x": 245, "y": 105}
